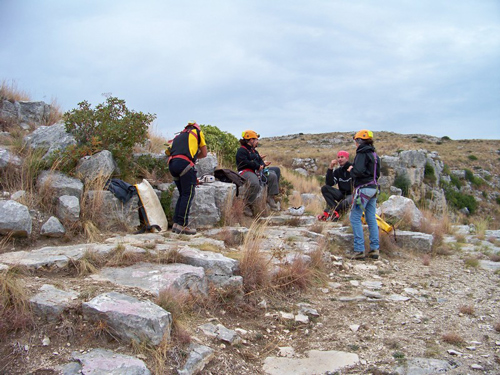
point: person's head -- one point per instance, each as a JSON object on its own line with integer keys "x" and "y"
{"x": 193, "y": 124}
{"x": 250, "y": 137}
{"x": 342, "y": 157}
{"x": 363, "y": 137}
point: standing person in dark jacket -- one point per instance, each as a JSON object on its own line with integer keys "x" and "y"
{"x": 254, "y": 169}
{"x": 187, "y": 147}
{"x": 365, "y": 172}
{"x": 339, "y": 199}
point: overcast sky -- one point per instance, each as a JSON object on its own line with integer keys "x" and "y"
{"x": 278, "y": 67}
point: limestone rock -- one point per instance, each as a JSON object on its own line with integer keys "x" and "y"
{"x": 97, "y": 166}
{"x": 52, "y": 228}
{"x": 50, "y": 302}
{"x": 15, "y": 219}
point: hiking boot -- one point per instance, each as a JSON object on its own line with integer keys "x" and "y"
{"x": 272, "y": 203}
{"x": 247, "y": 211}
{"x": 174, "y": 228}
{"x": 324, "y": 216}
{"x": 183, "y": 230}
{"x": 373, "y": 254}
{"x": 355, "y": 255}
{"x": 335, "y": 216}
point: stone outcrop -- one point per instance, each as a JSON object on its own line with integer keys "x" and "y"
{"x": 15, "y": 219}
{"x": 129, "y": 318}
{"x": 50, "y": 138}
{"x": 98, "y": 166}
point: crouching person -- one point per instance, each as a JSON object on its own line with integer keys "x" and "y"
{"x": 187, "y": 147}
{"x": 338, "y": 201}
{"x": 255, "y": 170}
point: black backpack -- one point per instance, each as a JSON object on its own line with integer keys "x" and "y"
{"x": 227, "y": 175}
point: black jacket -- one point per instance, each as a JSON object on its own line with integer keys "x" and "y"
{"x": 364, "y": 165}
{"x": 248, "y": 158}
{"x": 340, "y": 177}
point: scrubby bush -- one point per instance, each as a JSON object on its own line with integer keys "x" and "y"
{"x": 110, "y": 126}
{"x": 459, "y": 200}
{"x": 476, "y": 181}
{"x": 429, "y": 175}
{"x": 403, "y": 182}
{"x": 472, "y": 157}
{"x": 222, "y": 143}
{"x": 445, "y": 138}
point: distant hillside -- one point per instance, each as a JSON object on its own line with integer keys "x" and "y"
{"x": 480, "y": 156}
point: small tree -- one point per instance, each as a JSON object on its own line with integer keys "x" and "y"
{"x": 222, "y": 143}
{"x": 110, "y": 126}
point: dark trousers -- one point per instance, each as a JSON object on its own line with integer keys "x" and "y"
{"x": 336, "y": 199}
{"x": 186, "y": 186}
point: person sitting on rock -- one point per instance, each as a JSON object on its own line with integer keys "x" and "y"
{"x": 338, "y": 200}
{"x": 255, "y": 170}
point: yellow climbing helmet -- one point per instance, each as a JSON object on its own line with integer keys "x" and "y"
{"x": 249, "y": 134}
{"x": 363, "y": 134}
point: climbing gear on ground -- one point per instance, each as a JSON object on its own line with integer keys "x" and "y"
{"x": 227, "y": 175}
{"x": 207, "y": 178}
{"x": 249, "y": 134}
{"x": 296, "y": 211}
{"x": 363, "y": 134}
{"x": 373, "y": 254}
{"x": 151, "y": 214}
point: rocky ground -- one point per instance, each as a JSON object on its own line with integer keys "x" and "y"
{"x": 380, "y": 314}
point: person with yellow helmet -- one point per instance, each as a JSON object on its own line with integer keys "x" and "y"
{"x": 186, "y": 148}
{"x": 365, "y": 172}
{"x": 255, "y": 170}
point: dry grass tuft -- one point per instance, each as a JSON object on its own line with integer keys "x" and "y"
{"x": 254, "y": 266}
{"x": 388, "y": 243}
{"x": 230, "y": 239}
{"x": 179, "y": 304}
{"x": 88, "y": 264}
{"x": 482, "y": 226}
{"x": 301, "y": 183}
{"x": 11, "y": 92}
{"x": 293, "y": 276}
{"x": 467, "y": 309}
{"x": 120, "y": 257}
{"x": 317, "y": 227}
{"x": 56, "y": 112}
{"x": 166, "y": 257}
{"x": 452, "y": 338}
{"x": 232, "y": 212}
{"x": 15, "y": 311}
{"x": 471, "y": 262}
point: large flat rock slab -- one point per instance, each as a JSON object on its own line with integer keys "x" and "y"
{"x": 157, "y": 277}
{"x": 316, "y": 362}
{"x": 51, "y": 256}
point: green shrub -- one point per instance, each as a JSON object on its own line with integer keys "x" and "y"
{"x": 476, "y": 181}
{"x": 498, "y": 200}
{"x": 110, "y": 126}
{"x": 472, "y": 157}
{"x": 445, "y": 138}
{"x": 446, "y": 169}
{"x": 455, "y": 181}
{"x": 166, "y": 202}
{"x": 403, "y": 182}
{"x": 382, "y": 197}
{"x": 147, "y": 165}
{"x": 420, "y": 140}
{"x": 221, "y": 143}
{"x": 429, "y": 176}
{"x": 459, "y": 200}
